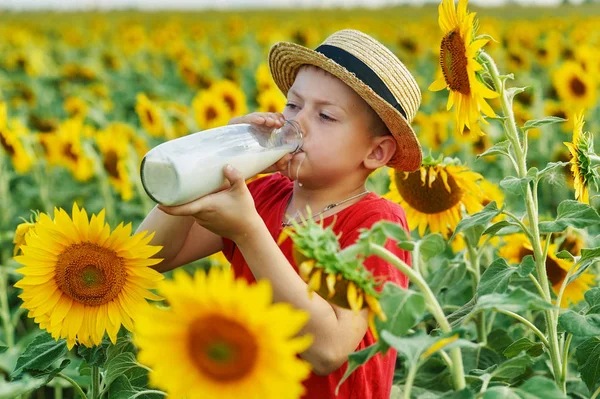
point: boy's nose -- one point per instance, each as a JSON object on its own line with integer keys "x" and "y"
{"x": 300, "y": 120}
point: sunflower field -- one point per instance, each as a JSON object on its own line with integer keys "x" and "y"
{"x": 503, "y": 299}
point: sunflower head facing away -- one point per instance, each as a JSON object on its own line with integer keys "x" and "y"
{"x": 581, "y": 148}
{"x": 434, "y": 195}
{"x": 225, "y": 336}
{"x": 343, "y": 282}
{"x": 460, "y": 67}
{"x": 517, "y": 246}
{"x": 81, "y": 280}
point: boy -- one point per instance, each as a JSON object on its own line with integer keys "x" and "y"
{"x": 354, "y": 101}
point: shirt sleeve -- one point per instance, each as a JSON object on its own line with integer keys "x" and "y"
{"x": 377, "y": 266}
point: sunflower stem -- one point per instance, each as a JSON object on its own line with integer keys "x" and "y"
{"x": 75, "y": 385}
{"x": 410, "y": 379}
{"x": 565, "y": 361}
{"x": 529, "y": 324}
{"x": 532, "y": 213}
{"x": 518, "y": 221}
{"x": 457, "y": 370}
{"x": 95, "y": 382}
{"x": 7, "y": 324}
{"x": 596, "y": 393}
{"x": 476, "y": 267}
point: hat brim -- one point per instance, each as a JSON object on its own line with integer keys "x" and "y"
{"x": 286, "y": 58}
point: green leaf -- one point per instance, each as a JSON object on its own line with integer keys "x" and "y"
{"x": 521, "y": 345}
{"x": 357, "y": 359}
{"x": 592, "y": 297}
{"x": 517, "y": 300}
{"x": 394, "y": 231}
{"x": 463, "y": 394}
{"x": 564, "y": 254}
{"x": 550, "y": 168}
{"x": 548, "y": 120}
{"x": 513, "y": 91}
{"x": 499, "y": 340}
{"x": 500, "y": 148}
{"x": 571, "y": 213}
{"x": 403, "y": 308}
{"x": 119, "y": 365}
{"x": 587, "y": 259}
{"x": 478, "y": 219}
{"x": 515, "y": 185}
{"x": 588, "y": 362}
{"x": 13, "y": 389}
{"x": 527, "y": 265}
{"x": 580, "y": 325}
{"x": 513, "y": 367}
{"x": 452, "y": 274}
{"x": 535, "y": 388}
{"x": 496, "y": 278}
{"x": 96, "y": 355}
{"x": 496, "y": 227}
{"x": 431, "y": 245}
{"x": 3, "y": 348}
{"x": 121, "y": 388}
{"x": 40, "y": 354}
{"x": 51, "y": 372}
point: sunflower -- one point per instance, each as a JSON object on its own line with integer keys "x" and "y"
{"x": 271, "y": 101}
{"x": 22, "y": 230}
{"x": 558, "y": 109}
{"x": 210, "y": 111}
{"x": 225, "y": 336}
{"x": 434, "y": 129}
{"x": 345, "y": 283}
{"x": 115, "y": 156}
{"x": 581, "y": 148}
{"x": 576, "y": 87}
{"x": 517, "y": 247}
{"x": 76, "y": 107}
{"x": 232, "y": 94}
{"x": 263, "y": 78}
{"x": 64, "y": 148}
{"x": 459, "y": 65}
{"x": 150, "y": 115}
{"x": 219, "y": 259}
{"x": 571, "y": 240}
{"x": 435, "y": 194}
{"x": 82, "y": 280}
{"x": 11, "y": 144}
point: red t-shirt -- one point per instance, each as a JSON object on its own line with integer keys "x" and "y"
{"x": 271, "y": 194}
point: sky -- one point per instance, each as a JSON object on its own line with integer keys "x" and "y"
{"x": 230, "y": 4}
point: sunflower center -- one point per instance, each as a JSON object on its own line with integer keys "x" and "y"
{"x": 69, "y": 153}
{"x": 453, "y": 59}
{"x": 577, "y": 87}
{"x": 222, "y": 349}
{"x": 425, "y": 199}
{"x": 9, "y": 148}
{"x": 230, "y": 102}
{"x": 555, "y": 273}
{"x": 110, "y": 163}
{"x": 90, "y": 274}
{"x": 149, "y": 116}
{"x": 210, "y": 113}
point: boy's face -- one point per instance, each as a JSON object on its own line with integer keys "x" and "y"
{"x": 336, "y": 123}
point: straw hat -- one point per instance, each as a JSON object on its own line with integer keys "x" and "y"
{"x": 372, "y": 71}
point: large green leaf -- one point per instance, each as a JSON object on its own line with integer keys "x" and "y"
{"x": 588, "y": 362}
{"x": 550, "y": 168}
{"x": 500, "y": 148}
{"x": 515, "y": 185}
{"x": 527, "y": 265}
{"x": 571, "y": 213}
{"x": 588, "y": 258}
{"x": 403, "y": 308}
{"x": 448, "y": 275}
{"x": 462, "y": 394}
{"x": 499, "y": 340}
{"x": 513, "y": 367}
{"x": 517, "y": 300}
{"x": 358, "y": 358}
{"x": 431, "y": 245}
{"x": 119, "y": 365}
{"x": 592, "y": 297}
{"x": 40, "y": 354}
{"x": 96, "y": 355}
{"x": 13, "y": 389}
{"x": 480, "y": 218}
{"x": 548, "y": 120}
{"x": 121, "y": 388}
{"x": 535, "y": 388}
{"x": 524, "y": 344}
{"x": 580, "y": 325}
{"x": 496, "y": 277}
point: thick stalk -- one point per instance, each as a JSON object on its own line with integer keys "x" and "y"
{"x": 7, "y": 324}
{"x": 95, "y": 382}
{"x": 410, "y": 379}
{"x": 433, "y": 305}
{"x": 532, "y": 213}
{"x": 476, "y": 268}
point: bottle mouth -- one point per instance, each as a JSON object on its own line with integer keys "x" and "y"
{"x": 299, "y": 133}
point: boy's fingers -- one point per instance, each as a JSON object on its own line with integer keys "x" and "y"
{"x": 183, "y": 210}
{"x": 234, "y": 176}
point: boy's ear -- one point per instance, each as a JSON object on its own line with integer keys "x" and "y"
{"x": 382, "y": 150}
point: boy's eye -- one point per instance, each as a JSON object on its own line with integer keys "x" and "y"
{"x": 327, "y": 118}
{"x": 290, "y": 106}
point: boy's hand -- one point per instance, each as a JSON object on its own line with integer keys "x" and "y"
{"x": 270, "y": 119}
{"x": 229, "y": 213}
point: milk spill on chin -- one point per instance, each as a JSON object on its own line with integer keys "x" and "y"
{"x": 202, "y": 173}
